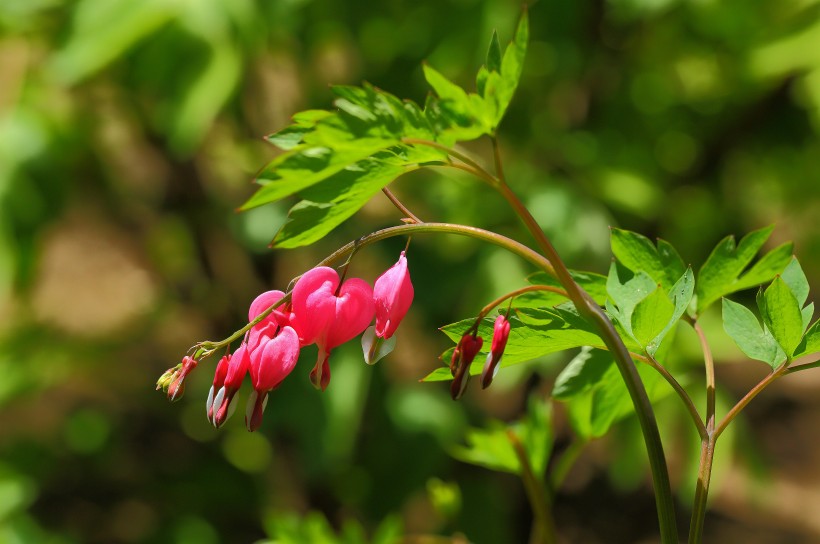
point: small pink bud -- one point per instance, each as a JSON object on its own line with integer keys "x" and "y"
{"x": 177, "y": 386}
{"x": 223, "y": 403}
{"x": 466, "y": 350}
{"x": 393, "y": 295}
{"x": 501, "y": 332}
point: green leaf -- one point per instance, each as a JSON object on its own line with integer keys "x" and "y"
{"x": 807, "y": 313}
{"x": 626, "y": 296}
{"x": 638, "y": 254}
{"x": 811, "y": 341}
{"x": 302, "y": 167}
{"x": 782, "y": 315}
{"x": 651, "y": 316}
{"x": 756, "y": 342}
{"x": 457, "y": 115}
{"x": 533, "y": 334}
{"x": 494, "y": 54}
{"x": 334, "y": 200}
{"x": 592, "y": 283}
{"x": 764, "y": 270}
{"x": 512, "y": 65}
{"x": 681, "y": 296}
{"x": 582, "y": 373}
{"x": 795, "y": 278}
{"x": 719, "y": 274}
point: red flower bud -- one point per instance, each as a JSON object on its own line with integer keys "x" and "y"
{"x": 501, "y": 332}
{"x": 466, "y": 350}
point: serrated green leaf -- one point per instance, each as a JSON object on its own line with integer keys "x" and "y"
{"x": 638, "y": 254}
{"x": 300, "y": 168}
{"x": 743, "y": 327}
{"x": 765, "y": 269}
{"x": 719, "y": 274}
{"x": 512, "y": 65}
{"x": 782, "y": 316}
{"x": 811, "y": 341}
{"x": 332, "y": 201}
{"x": 494, "y": 54}
{"x": 289, "y": 137}
{"x": 592, "y": 283}
{"x": 651, "y": 316}
{"x": 582, "y": 373}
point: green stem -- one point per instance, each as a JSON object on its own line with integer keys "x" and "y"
{"x": 684, "y": 396}
{"x": 778, "y": 372}
{"x": 536, "y": 493}
{"x": 512, "y": 294}
{"x": 707, "y": 453}
{"x": 592, "y": 312}
{"x": 401, "y": 207}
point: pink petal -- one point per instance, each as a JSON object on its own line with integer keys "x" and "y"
{"x": 393, "y": 295}
{"x": 274, "y": 359}
{"x": 238, "y": 364}
{"x": 354, "y": 312}
{"x": 314, "y": 303}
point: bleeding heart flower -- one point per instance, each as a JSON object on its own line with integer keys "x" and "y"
{"x": 501, "y": 332}
{"x": 329, "y": 314}
{"x": 393, "y": 295}
{"x": 230, "y": 371}
{"x": 270, "y": 363}
{"x": 279, "y": 316}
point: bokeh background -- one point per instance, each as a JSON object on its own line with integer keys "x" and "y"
{"x": 129, "y": 133}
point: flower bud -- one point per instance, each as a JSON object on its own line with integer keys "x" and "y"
{"x": 501, "y": 332}
{"x": 466, "y": 350}
{"x": 393, "y": 295}
{"x": 176, "y": 388}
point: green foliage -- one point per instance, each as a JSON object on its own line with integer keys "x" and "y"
{"x": 491, "y": 447}
{"x": 638, "y": 254}
{"x": 723, "y": 271}
{"x": 349, "y": 154}
{"x": 592, "y": 283}
{"x": 785, "y": 319}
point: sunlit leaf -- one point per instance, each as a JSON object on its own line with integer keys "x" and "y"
{"x": 756, "y": 342}
{"x": 719, "y": 274}
{"x": 638, "y": 254}
{"x": 782, "y": 315}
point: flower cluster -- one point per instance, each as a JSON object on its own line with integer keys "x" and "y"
{"x": 322, "y": 310}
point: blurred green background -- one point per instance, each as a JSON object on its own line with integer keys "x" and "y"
{"x": 130, "y": 131}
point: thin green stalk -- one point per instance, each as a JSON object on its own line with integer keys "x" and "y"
{"x": 536, "y": 494}
{"x": 589, "y": 309}
{"x": 707, "y": 453}
{"x": 741, "y": 404}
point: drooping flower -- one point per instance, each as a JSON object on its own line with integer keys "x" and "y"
{"x": 280, "y": 315}
{"x": 392, "y": 295}
{"x": 270, "y": 363}
{"x": 228, "y": 377}
{"x": 466, "y": 350}
{"x": 501, "y": 332}
{"x": 329, "y": 314}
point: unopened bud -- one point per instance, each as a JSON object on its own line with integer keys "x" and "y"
{"x": 501, "y": 332}
{"x": 468, "y": 347}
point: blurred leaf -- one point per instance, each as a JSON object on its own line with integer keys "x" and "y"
{"x": 492, "y": 448}
{"x": 756, "y": 342}
{"x": 582, "y": 373}
{"x": 782, "y": 315}
{"x": 638, "y": 254}
{"x": 719, "y": 274}
{"x": 494, "y": 54}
